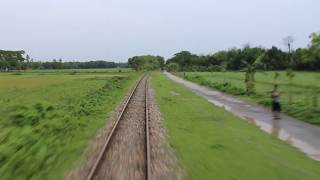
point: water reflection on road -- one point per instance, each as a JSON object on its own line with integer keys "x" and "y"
{"x": 301, "y": 135}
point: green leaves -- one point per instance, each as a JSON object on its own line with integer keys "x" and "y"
{"x": 147, "y": 62}
{"x": 11, "y": 59}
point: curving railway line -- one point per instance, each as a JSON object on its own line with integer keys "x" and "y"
{"x": 126, "y": 152}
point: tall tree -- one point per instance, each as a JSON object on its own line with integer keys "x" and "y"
{"x": 288, "y": 41}
{"x": 11, "y": 59}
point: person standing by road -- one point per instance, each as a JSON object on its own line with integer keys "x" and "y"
{"x": 276, "y": 106}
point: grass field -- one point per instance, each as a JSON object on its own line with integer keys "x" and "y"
{"x": 213, "y": 144}
{"x": 48, "y": 117}
{"x": 300, "y": 95}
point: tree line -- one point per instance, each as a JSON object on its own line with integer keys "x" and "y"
{"x": 17, "y": 60}
{"x": 256, "y": 58}
{"x": 239, "y": 58}
{"x": 75, "y": 65}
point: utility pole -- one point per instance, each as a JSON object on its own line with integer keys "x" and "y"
{"x": 288, "y": 42}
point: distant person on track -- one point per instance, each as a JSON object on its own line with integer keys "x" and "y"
{"x": 276, "y": 106}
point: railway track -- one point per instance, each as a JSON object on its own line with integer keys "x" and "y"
{"x": 126, "y": 152}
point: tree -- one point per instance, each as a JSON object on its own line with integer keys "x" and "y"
{"x": 11, "y": 60}
{"x": 27, "y": 63}
{"x": 308, "y": 58}
{"x": 250, "y": 70}
{"x": 161, "y": 62}
{"x": 146, "y": 62}
{"x": 249, "y": 78}
{"x": 183, "y": 58}
{"x": 311, "y": 55}
{"x": 172, "y": 67}
{"x": 275, "y": 59}
{"x": 288, "y": 42}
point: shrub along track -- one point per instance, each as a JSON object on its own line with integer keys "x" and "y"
{"x": 125, "y": 154}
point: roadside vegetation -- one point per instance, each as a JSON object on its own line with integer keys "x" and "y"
{"x": 299, "y": 94}
{"x": 251, "y": 72}
{"x": 211, "y": 143}
{"x": 48, "y": 118}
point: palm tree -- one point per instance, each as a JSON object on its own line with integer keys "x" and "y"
{"x": 250, "y": 72}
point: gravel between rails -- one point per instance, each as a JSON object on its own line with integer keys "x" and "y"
{"x": 125, "y": 156}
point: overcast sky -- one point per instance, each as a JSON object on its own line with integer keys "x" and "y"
{"x": 118, "y": 29}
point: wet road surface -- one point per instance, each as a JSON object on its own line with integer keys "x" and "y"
{"x": 301, "y": 135}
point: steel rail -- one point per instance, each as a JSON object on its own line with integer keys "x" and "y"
{"x": 148, "y": 164}
{"x": 105, "y": 146}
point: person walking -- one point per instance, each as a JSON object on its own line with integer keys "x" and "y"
{"x": 276, "y": 105}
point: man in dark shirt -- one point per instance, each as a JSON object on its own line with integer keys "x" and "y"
{"x": 276, "y": 106}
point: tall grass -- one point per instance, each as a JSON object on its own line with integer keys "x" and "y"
{"x": 44, "y": 128}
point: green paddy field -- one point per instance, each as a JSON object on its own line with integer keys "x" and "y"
{"x": 48, "y": 117}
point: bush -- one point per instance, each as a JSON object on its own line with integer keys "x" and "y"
{"x": 216, "y": 68}
{"x": 173, "y": 67}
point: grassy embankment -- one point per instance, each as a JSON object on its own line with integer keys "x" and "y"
{"x": 211, "y": 143}
{"x": 300, "y": 95}
{"x": 48, "y": 117}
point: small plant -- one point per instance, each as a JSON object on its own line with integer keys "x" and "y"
{"x": 290, "y": 74}
{"x": 250, "y": 70}
{"x": 315, "y": 100}
{"x": 276, "y": 76}
{"x": 249, "y": 79}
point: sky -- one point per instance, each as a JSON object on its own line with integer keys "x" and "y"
{"x": 81, "y": 30}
